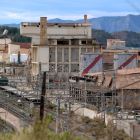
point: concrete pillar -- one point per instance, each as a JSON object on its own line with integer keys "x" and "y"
{"x": 63, "y": 59}
{"x": 56, "y": 59}
{"x": 43, "y": 30}
{"x": 85, "y": 18}
{"x": 79, "y": 57}
{"x": 69, "y": 59}
{"x": 93, "y": 49}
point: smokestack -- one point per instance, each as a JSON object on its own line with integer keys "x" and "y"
{"x": 43, "y": 30}
{"x": 85, "y": 18}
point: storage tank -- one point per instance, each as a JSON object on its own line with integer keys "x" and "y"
{"x": 90, "y": 63}
{"x": 125, "y": 60}
{"x": 13, "y": 58}
{"x": 23, "y": 57}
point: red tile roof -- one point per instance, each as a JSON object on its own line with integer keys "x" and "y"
{"x": 22, "y": 51}
{"x": 23, "y": 45}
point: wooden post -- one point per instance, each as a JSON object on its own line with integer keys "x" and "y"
{"x": 42, "y": 96}
{"x": 4, "y": 68}
{"x": 39, "y": 67}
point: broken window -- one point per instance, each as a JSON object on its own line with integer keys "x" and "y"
{"x": 83, "y": 42}
{"x": 52, "y": 68}
{"x": 83, "y": 50}
{"x": 59, "y": 68}
{"x": 75, "y": 68}
{"x": 90, "y": 49}
{"x": 52, "y": 54}
{"x": 75, "y": 55}
{"x": 59, "y": 55}
{"x": 89, "y": 42}
{"x": 66, "y": 54}
{"x": 62, "y": 42}
{"x": 75, "y": 42}
{"x": 66, "y": 68}
{"x": 97, "y": 50}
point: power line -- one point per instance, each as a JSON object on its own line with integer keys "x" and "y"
{"x": 133, "y": 5}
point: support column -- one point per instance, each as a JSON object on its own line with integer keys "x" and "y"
{"x": 79, "y": 58}
{"x": 69, "y": 59}
{"x": 56, "y": 59}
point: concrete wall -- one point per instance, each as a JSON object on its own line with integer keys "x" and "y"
{"x": 3, "y": 55}
{"x": 43, "y": 51}
{"x": 129, "y": 128}
{"x": 79, "y": 111}
{"x": 5, "y": 41}
{"x": 57, "y": 32}
{"x": 12, "y": 48}
{"x": 59, "y": 58}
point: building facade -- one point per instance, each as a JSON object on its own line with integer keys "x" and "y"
{"x": 56, "y": 47}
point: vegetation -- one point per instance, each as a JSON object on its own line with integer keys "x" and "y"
{"x": 131, "y": 38}
{"x": 40, "y": 131}
{"x": 101, "y": 36}
{"x": 100, "y": 131}
{"x": 50, "y": 106}
{"x": 14, "y": 34}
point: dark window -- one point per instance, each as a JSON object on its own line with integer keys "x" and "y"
{"x": 83, "y": 42}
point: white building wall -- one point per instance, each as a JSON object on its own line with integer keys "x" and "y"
{"x": 13, "y": 58}
{"x": 12, "y": 48}
{"x": 43, "y": 51}
{"x": 23, "y": 57}
{"x": 5, "y": 41}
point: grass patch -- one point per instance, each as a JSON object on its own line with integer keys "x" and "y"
{"x": 86, "y": 119}
{"x": 50, "y": 106}
{"x": 62, "y": 110}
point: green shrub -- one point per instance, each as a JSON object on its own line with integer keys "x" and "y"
{"x": 51, "y": 106}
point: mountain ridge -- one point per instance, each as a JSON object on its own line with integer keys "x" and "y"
{"x": 108, "y": 23}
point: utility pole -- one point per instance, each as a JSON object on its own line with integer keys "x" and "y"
{"x": 58, "y": 115}
{"x": 42, "y": 96}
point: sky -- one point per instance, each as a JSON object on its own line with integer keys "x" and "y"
{"x": 16, "y": 11}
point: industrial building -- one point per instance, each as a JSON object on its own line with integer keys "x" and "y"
{"x": 108, "y": 55}
{"x": 115, "y": 42}
{"x": 56, "y": 47}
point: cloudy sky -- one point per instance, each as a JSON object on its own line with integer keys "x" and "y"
{"x": 16, "y": 11}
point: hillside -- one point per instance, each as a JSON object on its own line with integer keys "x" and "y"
{"x": 101, "y": 36}
{"x": 14, "y": 34}
{"x": 109, "y": 24}
{"x": 132, "y": 39}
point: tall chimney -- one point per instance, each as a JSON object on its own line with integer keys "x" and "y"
{"x": 85, "y": 18}
{"x": 43, "y": 30}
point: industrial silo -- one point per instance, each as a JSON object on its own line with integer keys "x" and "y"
{"x": 125, "y": 60}
{"x": 90, "y": 63}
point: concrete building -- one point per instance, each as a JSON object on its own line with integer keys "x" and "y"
{"x": 57, "y": 46}
{"x": 108, "y": 55}
{"x": 115, "y": 42}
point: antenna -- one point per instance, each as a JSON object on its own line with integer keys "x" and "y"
{"x": 5, "y": 32}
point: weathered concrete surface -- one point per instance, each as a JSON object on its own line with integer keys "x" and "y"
{"x": 11, "y": 119}
{"x": 129, "y": 126}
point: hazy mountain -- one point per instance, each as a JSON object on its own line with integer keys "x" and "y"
{"x": 109, "y": 24}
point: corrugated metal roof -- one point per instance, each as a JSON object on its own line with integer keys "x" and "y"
{"x": 122, "y": 48}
